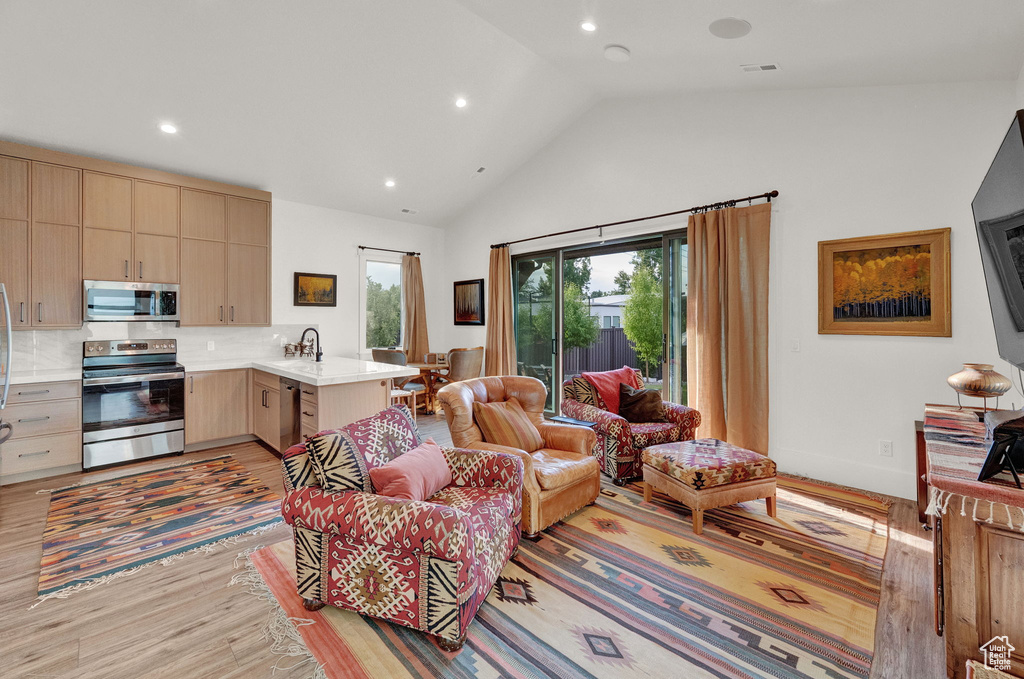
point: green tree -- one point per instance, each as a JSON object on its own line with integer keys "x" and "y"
{"x": 383, "y": 314}
{"x": 621, "y": 283}
{"x": 650, "y": 258}
{"x": 577, "y": 272}
{"x": 580, "y": 328}
{"x": 642, "y": 316}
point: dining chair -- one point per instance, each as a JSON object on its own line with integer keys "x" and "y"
{"x": 405, "y": 388}
{"x": 463, "y": 364}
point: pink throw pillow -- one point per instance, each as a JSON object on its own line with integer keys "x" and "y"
{"x": 415, "y": 475}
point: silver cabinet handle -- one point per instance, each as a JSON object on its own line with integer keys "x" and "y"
{"x": 191, "y": 384}
{"x": 41, "y": 452}
{"x": 140, "y": 269}
{"x": 40, "y": 312}
{"x": 34, "y": 419}
{"x": 126, "y": 268}
{"x": 33, "y": 393}
{"x": 221, "y": 313}
{"x": 232, "y": 313}
{"x": 307, "y": 414}
{"x": 22, "y": 312}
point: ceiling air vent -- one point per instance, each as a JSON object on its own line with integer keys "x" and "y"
{"x": 480, "y": 170}
{"x": 753, "y": 68}
{"x": 407, "y": 211}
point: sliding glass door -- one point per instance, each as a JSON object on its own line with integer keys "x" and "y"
{"x": 675, "y": 283}
{"x": 600, "y": 307}
{"x": 535, "y": 280}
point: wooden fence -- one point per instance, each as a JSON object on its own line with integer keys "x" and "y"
{"x": 611, "y": 351}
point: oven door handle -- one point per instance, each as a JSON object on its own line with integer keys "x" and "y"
{"x": 149, "y": 377}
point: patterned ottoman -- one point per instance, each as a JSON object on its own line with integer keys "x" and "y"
{"x": 708, "y": 473}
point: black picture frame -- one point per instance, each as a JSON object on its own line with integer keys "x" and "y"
{"x": 468, "y": 302}
{"x": 302, "y": 297}
{"x": 1000, "y": 233}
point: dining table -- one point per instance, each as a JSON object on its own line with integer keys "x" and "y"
{"x": 430, "y": 372}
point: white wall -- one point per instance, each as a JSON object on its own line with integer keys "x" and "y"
{"x": 848, "y": 162}
{"x": 322, "y": 240}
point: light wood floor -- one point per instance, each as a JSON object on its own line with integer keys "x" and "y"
{"x": 183, "y": 620}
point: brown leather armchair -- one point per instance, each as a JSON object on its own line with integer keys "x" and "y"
{"x": 558, "y": 479}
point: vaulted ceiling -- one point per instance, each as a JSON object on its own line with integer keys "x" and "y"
{"x": 322, "y": 101}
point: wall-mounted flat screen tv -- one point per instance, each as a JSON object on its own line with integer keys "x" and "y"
{"x": 999, "y": 219}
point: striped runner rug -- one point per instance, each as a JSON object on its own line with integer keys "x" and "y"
{"x": 102, "y": 530}
{"x": 625, "y": 589}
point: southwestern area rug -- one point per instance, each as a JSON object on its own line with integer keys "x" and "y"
{"x": 624, "y": 588}
{"x": 98, "y": 531}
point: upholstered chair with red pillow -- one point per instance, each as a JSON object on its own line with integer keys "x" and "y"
{"x": 560, "y": 474}
{"x": 620, "y": 442}
{"x": 424, "y": 564}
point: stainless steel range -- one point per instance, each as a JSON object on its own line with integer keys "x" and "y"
{"x": 133, "y": 401}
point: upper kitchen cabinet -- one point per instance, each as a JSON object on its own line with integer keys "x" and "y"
{"x": 55, "y": 282}
{"x": 131, "y": 229}
{"x": 14, "y": 237}
{"x": 203, "y": 215}
{"x": 226, "y": 259}
{"x": 67, "y": 218}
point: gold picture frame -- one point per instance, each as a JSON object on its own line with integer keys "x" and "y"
{"x": 891, "y": 284}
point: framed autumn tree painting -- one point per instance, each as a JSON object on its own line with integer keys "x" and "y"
{"x": 894, "y": 284}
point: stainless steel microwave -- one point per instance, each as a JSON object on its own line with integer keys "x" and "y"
{"x": 126, "y": 301}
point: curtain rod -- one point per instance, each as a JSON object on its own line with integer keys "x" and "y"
{"x": 700, "y": 208}
{"x": 401, "y": 252}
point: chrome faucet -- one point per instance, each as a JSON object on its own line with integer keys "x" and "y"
{"x": 319, "y": 354}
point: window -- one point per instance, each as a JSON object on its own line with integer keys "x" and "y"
{"x": 607, "y": 321}
{"x": 381, "y": 302}
{"x": 616, "y": 321}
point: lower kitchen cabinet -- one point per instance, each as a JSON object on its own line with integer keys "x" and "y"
{"x": 215, "y": 405}
{"x": 47, "y": 421}
{"x": 266, "y": 408}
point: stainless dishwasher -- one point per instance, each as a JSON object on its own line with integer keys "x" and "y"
{"x": 290, "y": 422}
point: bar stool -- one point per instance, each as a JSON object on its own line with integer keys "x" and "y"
{"x": 399, "y": 395}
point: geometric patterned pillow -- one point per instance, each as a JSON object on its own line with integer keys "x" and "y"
{"x": 342, "y": 458}
{"x": 586, "y": 393}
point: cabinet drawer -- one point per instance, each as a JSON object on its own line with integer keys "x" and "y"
{"x": 41, "y": 452}
{"x": 308, "y": 414}
{"x": 38, "y": 419}
{"x": 44, "y": 391}
{"x": 266, "y": 380}
{"x": 307, "y": 432}
{"x": 308, "y": 393}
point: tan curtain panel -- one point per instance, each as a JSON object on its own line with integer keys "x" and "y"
{"x": 500, "y": 351}
{"x": 727, "y": 324}
{"x": 414, "y": 337}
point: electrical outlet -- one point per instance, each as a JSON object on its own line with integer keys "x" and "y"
{"x": 885, "y": 448}
{"x": 209, "y": 345}
{"x": 794, "y": 345}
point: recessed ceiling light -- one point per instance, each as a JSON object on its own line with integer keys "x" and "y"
{"x": 390, "y": 183}
{"x": 588, "y": 26}
{"x": 460, "y": 103}
{"x": 168, "y": 128}
{"x": 616, "y": 53}
{"x": 729, "y": 28}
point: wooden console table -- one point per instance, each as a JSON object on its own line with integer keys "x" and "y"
{"x": 979, "y": 541}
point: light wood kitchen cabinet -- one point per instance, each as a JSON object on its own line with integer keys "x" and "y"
{"x": 203, "y": 283}
{"x": 236, "y": 287}
{"x": 216, "y": 405}
{"x": 14, "y": 237}
{"x": 47, "y": 419}
{"x": 266, "y": 409}
{"x": 55, "y": 281}
{"x": 203, "y": 215}
{"x": 106, "y": 202}
{"x": 131, "y": 230}
{"x": 247, "y": 275}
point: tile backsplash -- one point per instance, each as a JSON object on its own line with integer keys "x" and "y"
{"x": 59, "y": 349}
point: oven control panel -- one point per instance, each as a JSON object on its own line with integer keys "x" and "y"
{"x": 130, "y": 347}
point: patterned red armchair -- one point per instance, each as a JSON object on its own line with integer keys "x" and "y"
{"x": 426, "y": 565}
{"x": 619, "y": 442}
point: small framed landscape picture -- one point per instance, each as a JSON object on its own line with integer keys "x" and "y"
{"x": 893, "y": 284}
{"x": 469, "y": 302}
{"x": 316, "y": 289}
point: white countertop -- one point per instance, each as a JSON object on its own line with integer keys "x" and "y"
{"x": 332, "y": 370}
{"x": 50, "y": 375}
